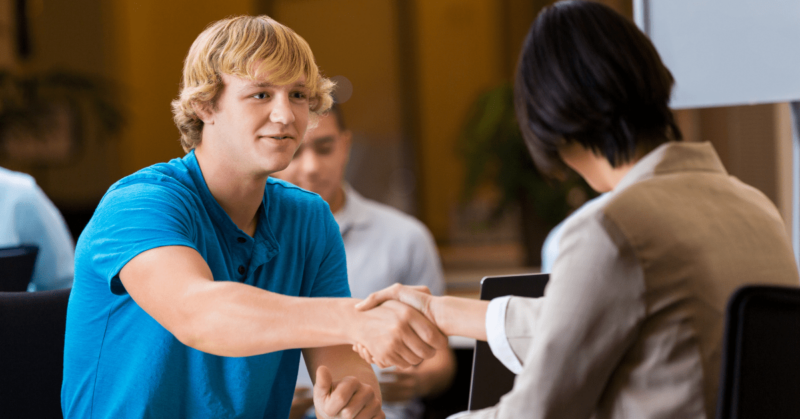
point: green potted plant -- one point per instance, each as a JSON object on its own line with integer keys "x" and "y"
{"x": 493, "y": 150}
{"x": 45, "y": 118}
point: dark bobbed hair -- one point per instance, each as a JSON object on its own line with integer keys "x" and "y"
{"x": 588, "y": 75}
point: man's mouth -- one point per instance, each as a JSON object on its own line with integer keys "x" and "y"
{"x": 280, "y": 137}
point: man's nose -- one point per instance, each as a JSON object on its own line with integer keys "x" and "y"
{"x": 309, "y": 164}
{"x": 281, "y": 111}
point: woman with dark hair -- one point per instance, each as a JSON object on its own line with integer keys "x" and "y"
{"x": 631, "y": 323}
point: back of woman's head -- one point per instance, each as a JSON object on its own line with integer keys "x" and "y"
{"x": 588, "y": 75}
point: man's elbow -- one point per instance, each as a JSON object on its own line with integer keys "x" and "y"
{"x": 191, "y": 330}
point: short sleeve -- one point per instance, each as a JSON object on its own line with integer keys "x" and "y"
{"x": 134, "y": 218}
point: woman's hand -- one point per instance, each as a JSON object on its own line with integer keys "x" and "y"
{"x": 418, "y": 297}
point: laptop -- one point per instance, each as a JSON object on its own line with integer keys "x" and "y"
{"x": 490, "y": 378}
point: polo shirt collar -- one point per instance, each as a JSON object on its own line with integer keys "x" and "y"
{"x": 354, "y": 213}
{"x": 263, "y": 246}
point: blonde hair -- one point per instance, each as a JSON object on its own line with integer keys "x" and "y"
{"x": 246, "y": 47}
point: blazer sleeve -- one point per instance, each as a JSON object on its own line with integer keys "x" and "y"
{"x": 571, "y": 339}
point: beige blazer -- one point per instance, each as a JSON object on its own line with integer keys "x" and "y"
{"x": 631, "y": 323}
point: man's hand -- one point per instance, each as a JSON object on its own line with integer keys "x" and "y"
{"x": 396, "y": 334}
{"x": 345, "y": 399}
{"x": 453, "y": 316}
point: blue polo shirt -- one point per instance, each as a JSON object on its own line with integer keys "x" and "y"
{"x": 119, "y": 362}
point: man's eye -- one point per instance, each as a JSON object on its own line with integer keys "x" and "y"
{"x": 323, "y": 150}
{"x": 299, "y": 95}
{"x": 261, "y": 95}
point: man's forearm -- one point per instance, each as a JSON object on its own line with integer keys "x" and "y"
{"x": 174, "y": 285}
{"x": 231, "y": 319}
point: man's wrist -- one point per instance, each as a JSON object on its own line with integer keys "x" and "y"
{"x": 351, "y": 321}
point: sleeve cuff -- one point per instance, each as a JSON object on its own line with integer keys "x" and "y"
{"x": 496, "y": 334}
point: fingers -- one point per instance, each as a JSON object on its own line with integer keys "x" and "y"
{"x": 424, "y": 337}
{"x": 398, "y": 335}
{"x": 323, "y": 384}
{"x": 363, "y": 352}
{"x": 416, "y": 296}
{"x": 430, "y": 334}
{"x": 376, "y": 298}
{"x": 421, "y": 288}
{"x": 340, "y": 397}
{"x": 362, "y": 404}
{"x": 350, "y": 399}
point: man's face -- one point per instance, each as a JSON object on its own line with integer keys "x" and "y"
{"x": 319, "y": 164}
{"x": 256, "y": 124}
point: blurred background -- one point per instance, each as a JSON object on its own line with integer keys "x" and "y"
{"x": 86, "y": 85}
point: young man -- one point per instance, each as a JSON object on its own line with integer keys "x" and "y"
{"x": 185, "y": 301}
{"x": 384, "y": 246}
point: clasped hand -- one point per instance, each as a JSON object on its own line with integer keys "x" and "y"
{"x": 346, "y": 399}
{"x": 404, "y": 332}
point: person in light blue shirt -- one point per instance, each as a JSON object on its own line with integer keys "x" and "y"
{"x": 193, "y": 276}
{"x": 27, "y": 217}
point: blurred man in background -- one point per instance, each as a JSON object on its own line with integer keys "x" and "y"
{"x": 27, "y": 217}
{"x": 383, "y": 246}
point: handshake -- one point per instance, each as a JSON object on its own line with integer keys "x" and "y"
{"x": 400, "y": 328}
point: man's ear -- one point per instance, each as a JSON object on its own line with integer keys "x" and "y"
{"x": 347, "y": 139}
{"x": 347, "y": 142}
{"x": 204, "y": 112}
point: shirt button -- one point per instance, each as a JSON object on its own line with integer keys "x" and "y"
{"x": 241, "y": 270}
{"x": 241, "y": 239}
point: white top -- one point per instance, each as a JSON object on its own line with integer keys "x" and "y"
{"x": 385, "y": 246}
{"x": 28, "y": 217}
{"x": 496, "y": 335}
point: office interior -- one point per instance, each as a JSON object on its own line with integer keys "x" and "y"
{"x": 412, "y": 71}
{"x": 409, "y": 72}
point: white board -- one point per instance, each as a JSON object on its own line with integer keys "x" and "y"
{"x": 726, "y": 52}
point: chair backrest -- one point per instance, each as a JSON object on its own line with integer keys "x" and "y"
{"x": 760, "y": 374}
{"x": 490, "y": 378}
{"x": 16, "y": 267}
{"x": 32, "y": 326}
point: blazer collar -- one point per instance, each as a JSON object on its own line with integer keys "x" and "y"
{"x": 672, "y": 157}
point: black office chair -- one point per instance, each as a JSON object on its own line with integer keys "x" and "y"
{"x": 16, "y": 267}
{"x": 32, "y": 326}
{"x": 760, "y": 374}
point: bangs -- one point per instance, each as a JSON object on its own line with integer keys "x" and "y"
{"x": 254, "y": 49}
